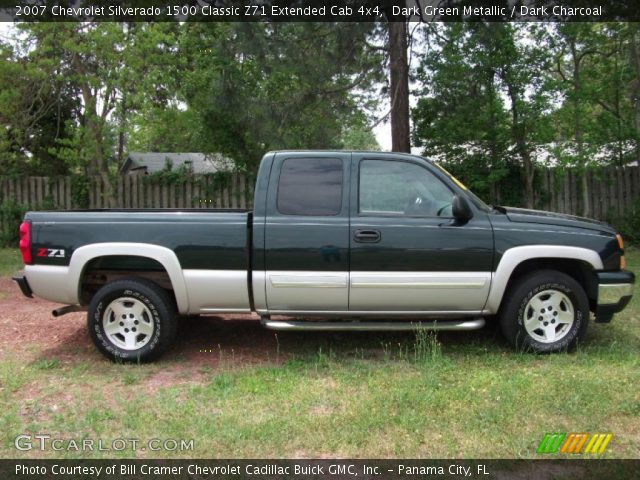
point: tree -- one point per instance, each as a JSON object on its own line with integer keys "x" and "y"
{"x": 257, "y": 87}
{"x": 574, "y": 45}
{"x": 523, "y": 71}
{"x": 34, "y": 113}
{"x": 485, "y": 101}
{"x": 460, "y": 118}
{"x": 238, "y": 89}
{"x": 399, "y": 86}
{"x": 358, "y": 136}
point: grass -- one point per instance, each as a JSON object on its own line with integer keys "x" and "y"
{"x": 343, "y": 395}
{"x": 10, "y": 261}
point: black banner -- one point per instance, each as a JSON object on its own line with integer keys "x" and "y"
{"x": 321, "y": 10}
{"x": 318, "y": 469}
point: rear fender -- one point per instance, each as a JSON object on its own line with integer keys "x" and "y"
{"x": 164, "y": 256}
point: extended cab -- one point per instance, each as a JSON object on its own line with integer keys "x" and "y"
{"x": 337, "y": 241}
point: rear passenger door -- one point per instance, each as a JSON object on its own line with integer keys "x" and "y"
{"x": 307, "y": 233}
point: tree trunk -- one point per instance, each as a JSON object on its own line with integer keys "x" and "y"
{"x": 399, "y": 74}
{"x": 528, "y": 180}
{"x": 577, "y": 130}
{"x": 518, "y": 135}
{"x": 122, "y": 127}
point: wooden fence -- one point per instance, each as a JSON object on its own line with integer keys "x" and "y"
{"x": 130, "y": 191}
{"x": 613, "y": 192}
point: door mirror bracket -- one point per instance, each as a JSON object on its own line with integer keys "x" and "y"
{"x": 461, "y": 209}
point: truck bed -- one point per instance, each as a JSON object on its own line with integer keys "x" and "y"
{"x": 201, "y": 238}
{"x": 202, "y": 255}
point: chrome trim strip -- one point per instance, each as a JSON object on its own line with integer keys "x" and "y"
{"x": 516, "y": 255}
{"x": 418, "y": 280}
{"x": 372, "y": 326}
{"x": 225, "y": 310}
{"x": 612, "y": 293}
{"x": 377, "y": 313}
{"x": 308, "y": 279}
{"x": 417, "y": 285}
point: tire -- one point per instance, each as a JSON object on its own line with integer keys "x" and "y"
{"x": 132, "y": 320}
{"x": 546, "y": 311}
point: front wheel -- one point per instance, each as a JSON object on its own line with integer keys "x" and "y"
{"x": 132, "y": 320}
{"x": 546, "y": 311}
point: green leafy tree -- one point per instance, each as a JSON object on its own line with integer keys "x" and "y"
{"x": 34, "y": 113}
{"x": 460, "y": 118}
{"x": 484, "y": 102}
{"x": 594, "y": 67}
{"x": 358, "y": 136}
{"x": 258, "y": 87}
{"x": 523, "y": 72}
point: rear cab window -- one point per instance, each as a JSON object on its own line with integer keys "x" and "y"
{"x": 310, "y": 187}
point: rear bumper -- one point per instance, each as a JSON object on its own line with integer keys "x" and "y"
{"x": 615, "y": 290}
{"x": 21, "y": 280}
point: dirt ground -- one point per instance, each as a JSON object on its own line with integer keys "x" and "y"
{"x": 29, "y": 333}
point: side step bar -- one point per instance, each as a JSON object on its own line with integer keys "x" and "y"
{"x": 399, "y": 326}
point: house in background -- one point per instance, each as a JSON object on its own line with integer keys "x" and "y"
{"x": 152, "y": 162}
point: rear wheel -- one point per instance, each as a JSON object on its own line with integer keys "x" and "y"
{"x": 132, "y": 320}
{"x": 545, "y": 311}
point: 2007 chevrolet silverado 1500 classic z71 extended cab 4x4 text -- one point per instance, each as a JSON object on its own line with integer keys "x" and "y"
{"x": 343, "y": 240}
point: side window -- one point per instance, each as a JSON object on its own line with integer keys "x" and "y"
{"x": 401, "y": 188}
{"x": 310, "y": 186}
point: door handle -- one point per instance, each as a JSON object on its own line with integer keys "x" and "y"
{"x": 367, "y": 236}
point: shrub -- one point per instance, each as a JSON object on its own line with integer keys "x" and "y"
{"x": 629, "y": 224}
{"x": 11, "y": 215}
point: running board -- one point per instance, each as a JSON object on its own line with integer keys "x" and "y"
{"x": 399, "y": 326}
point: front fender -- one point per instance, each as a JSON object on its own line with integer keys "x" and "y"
{"x": 516, "y": 255}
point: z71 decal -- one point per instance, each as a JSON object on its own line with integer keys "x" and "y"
{"x": 50, "y": 252}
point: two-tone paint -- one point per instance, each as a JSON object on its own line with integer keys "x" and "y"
{"x": 348, "y": 264}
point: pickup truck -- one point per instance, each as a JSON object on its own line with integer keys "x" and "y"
{"x": 336, "y": 241}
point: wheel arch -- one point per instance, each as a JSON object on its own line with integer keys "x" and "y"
{"x": 148, "y": 256}
{"x": 579, "y": 263}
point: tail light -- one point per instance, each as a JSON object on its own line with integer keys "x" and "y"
{"x": 25, "y": 242}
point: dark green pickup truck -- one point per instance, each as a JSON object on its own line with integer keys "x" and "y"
{"x": 336, "y": 241}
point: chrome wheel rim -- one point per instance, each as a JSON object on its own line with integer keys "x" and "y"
{"x": 549, "y": 316}
{"x": 128, "y": 323}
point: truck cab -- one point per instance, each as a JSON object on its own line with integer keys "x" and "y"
{"x": 369, "y": 234}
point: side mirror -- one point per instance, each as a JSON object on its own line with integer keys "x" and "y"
{"x": 461, "y": 209}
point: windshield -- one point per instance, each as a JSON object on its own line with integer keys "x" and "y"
{"x": 474, "y": 198}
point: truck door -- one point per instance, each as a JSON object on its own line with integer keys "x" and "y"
{"x": 307, "y": 233}
{"x": 407, "y": 252}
